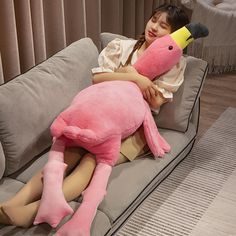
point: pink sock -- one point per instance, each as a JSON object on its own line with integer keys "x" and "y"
{"x": 53, "y": 206}
{"x": 81, "y": 221}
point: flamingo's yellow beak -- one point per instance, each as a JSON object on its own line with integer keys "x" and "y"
{"x": 182, "y": 37}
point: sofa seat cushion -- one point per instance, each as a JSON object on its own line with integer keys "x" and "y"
{"x": 30, "y": 102}
{"x": 133, "y": 178}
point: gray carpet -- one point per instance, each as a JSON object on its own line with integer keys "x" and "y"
{"x": 199, "y": 197}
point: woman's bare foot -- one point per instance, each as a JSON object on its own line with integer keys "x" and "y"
{"x": 22, "y": 216}
{"x": 4, "y": 219}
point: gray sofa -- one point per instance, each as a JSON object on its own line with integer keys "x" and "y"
{"x": 30, "y": 102}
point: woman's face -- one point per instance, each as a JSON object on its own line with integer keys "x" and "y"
{"x": 157, "y": 27}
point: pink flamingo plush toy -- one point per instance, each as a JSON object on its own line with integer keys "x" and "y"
{"x": 98, "y": 119}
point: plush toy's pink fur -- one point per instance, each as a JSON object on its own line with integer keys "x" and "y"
{"x": 98, "y": 119}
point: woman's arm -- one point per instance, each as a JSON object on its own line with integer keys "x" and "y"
{"x": 110, "y": 76}
{"x": 125, "y": 74}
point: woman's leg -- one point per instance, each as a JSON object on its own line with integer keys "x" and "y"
{"x": 78, "y": 180}
{"x": 73, "y": 186}
{"x": 32, "y": 190}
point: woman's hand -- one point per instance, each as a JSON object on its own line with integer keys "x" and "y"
{"x": 155, "y": 100}
{"x": 146, "y": 85}
{"x": 150, "y": 94}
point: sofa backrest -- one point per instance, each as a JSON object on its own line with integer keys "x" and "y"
{"x": 30, "y": 102}
{"x": 176, "y": 115}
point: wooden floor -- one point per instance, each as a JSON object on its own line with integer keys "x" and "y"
{"x": 219, "y": 93}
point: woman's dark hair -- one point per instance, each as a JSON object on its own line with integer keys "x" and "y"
{"x": 176, "y": 18}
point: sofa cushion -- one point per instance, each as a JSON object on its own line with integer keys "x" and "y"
{"x": 31, "y": 101}
{"x": 25, "y": 173}
{"x": 179, "y": 111}
{"x": 176, "y": 114}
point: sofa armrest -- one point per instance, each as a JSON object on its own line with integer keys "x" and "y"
{"x": 2, "y": 161}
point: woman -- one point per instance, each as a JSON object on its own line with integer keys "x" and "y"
{"x": 114, "y": 64}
